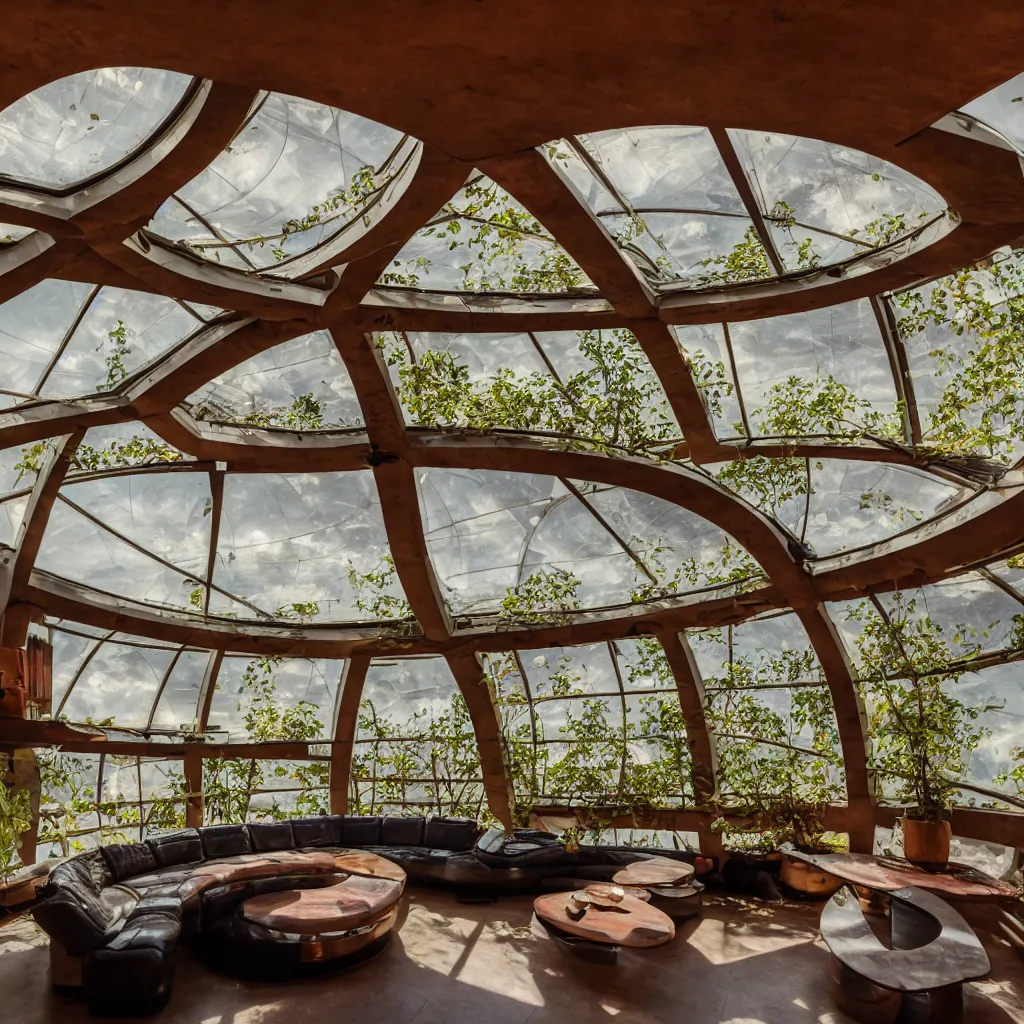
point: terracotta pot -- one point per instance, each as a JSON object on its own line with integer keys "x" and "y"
{"x": 926, "y": 843}
{"x": 806, "y": 878}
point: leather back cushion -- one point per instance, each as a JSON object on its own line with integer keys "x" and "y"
{"x": 360, "y": 830}
{"x": 267, "y": 836}
{"x": 225, "y": 840}
{"x": 183, "y": 847}
{"x": 323, "y": 830}
{"x": 77, "y": 920}
{"x": 87, "y": 871}
{"x": 126, "y": 860}
{"x": 450, "y": 833}
{"x": 400, "y": 831}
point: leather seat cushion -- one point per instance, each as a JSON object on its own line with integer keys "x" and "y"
{"x": 323, "y": 830}
{"x": 451, "y": 834}
{"x": 268, "y": 836}
{"x": 87, "y": 871}
{"x": 182, "y": 847}
{"x": 225, "y": 840}
{"x": 401, "y": 831}
{"x": 125, "y": 860}
{"x": 360, "y": 830}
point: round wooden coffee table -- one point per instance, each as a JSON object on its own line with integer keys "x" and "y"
{"x": 628, "y": 921}
{"x": 655, "y": 871}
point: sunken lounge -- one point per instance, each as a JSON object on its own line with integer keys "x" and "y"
{"x": 512, "y": 512}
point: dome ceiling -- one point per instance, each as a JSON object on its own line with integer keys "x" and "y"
{"x": 284, "y": 381}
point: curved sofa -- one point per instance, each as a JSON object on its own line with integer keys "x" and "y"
{"x": 116, "y": 914}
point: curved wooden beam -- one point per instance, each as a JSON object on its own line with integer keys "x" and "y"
{"x": 483, "y": 713}
{"x": 699, "y": 737}
{"x": 16, "y": 567}
{"x": 551, "y": 198}
{"x": 346, "y": 721}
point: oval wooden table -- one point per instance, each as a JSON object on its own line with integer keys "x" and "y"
{"x": 655, "y": 872}
{"x": 628, "y": 922}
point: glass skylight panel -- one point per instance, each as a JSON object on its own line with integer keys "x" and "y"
{"x": 295, "y": 174}
{"x": 484, "y": 240}
{"x": 1002, "y": 108}
{"x": 118, "y": 685}
{"x": 62, "y": 339}
{"x": 177, "y": 708}
{"x": 415, "y": 748}
{"x": 119, "y": 445}
{"x": 14, "y": 477}
{"x": 143, "y": 536}
{"x": 582, "y": 385}
{"x": 300, "y": 546}
{"x": 526, "y": 543}
{"x": 707, "y": 354}
{"x": 299, "y": 385}
{"x": 824, "y": 372}
{"x": 304, "y": 690}
{"x": 81, "y": 126}
{"x": 953, "y": 331}
{"x": 824, "y": 203}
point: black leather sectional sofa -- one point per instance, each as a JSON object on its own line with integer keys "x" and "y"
{"x": 115, "y": 915}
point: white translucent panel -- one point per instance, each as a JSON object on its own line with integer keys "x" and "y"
{"x": 649, "y": 838}
{"x": 165, "y": 515}
{"x": 85, "y": 124}
{"x": 484, "y": 240}
{"x": 121, "y": 331}
{"x": 405, "y": 694}
{"x": 854, "y": 503}
{"x": 484, "y": 355}
{"x": 270, "y": 699}
{"x": 562, "y": 670}
{"x": 705, "y": 350}
{"x": 291, "y": 543}
{"x": 118, "y": 445}
{"x": 32, "y": 327}
{"x": 833, "y": 188}
{"x": 1003, "y": 109}
{"x": 119, "y": 684}
{"x": 777, "y": 357}
{"x": 758, "y": 652}
{"x": 302, "y": 384}
{"x": 178, "y": 705}
{"x": 295, "y": 174}
{"x": 133, "y": 779}
{"x": 999, "y": 692}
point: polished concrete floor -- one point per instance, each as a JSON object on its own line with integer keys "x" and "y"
{"x": 740, "y": 963}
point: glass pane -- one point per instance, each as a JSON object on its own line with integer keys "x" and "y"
{"x": 804, "y": 183}
{"x": 583, "y": 385}
{"x": 415, "y": 746}
{"x": 300, "y": 385}
{"x": 260, "y": 699}
{"x": 123, "y": 445}
{"x": 308, "y": 547}
{"x": 82, "y": 125}
{"x": 294, "y": 175}
{"x": 166, "y": 515}
{"x": 1002, "y": 109}
{"x": 527, "y": 545}
{"x": 825, "y": 372}
{"x": 178, "y": 706}
{"x": 483, "y": 240}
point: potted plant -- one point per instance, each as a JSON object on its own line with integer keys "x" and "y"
{"x": 922, "y": 734}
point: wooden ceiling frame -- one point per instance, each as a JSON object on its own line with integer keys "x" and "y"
{"x": 101, "y": 241}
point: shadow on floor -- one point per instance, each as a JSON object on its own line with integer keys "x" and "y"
{"x": 742, "y": 962}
